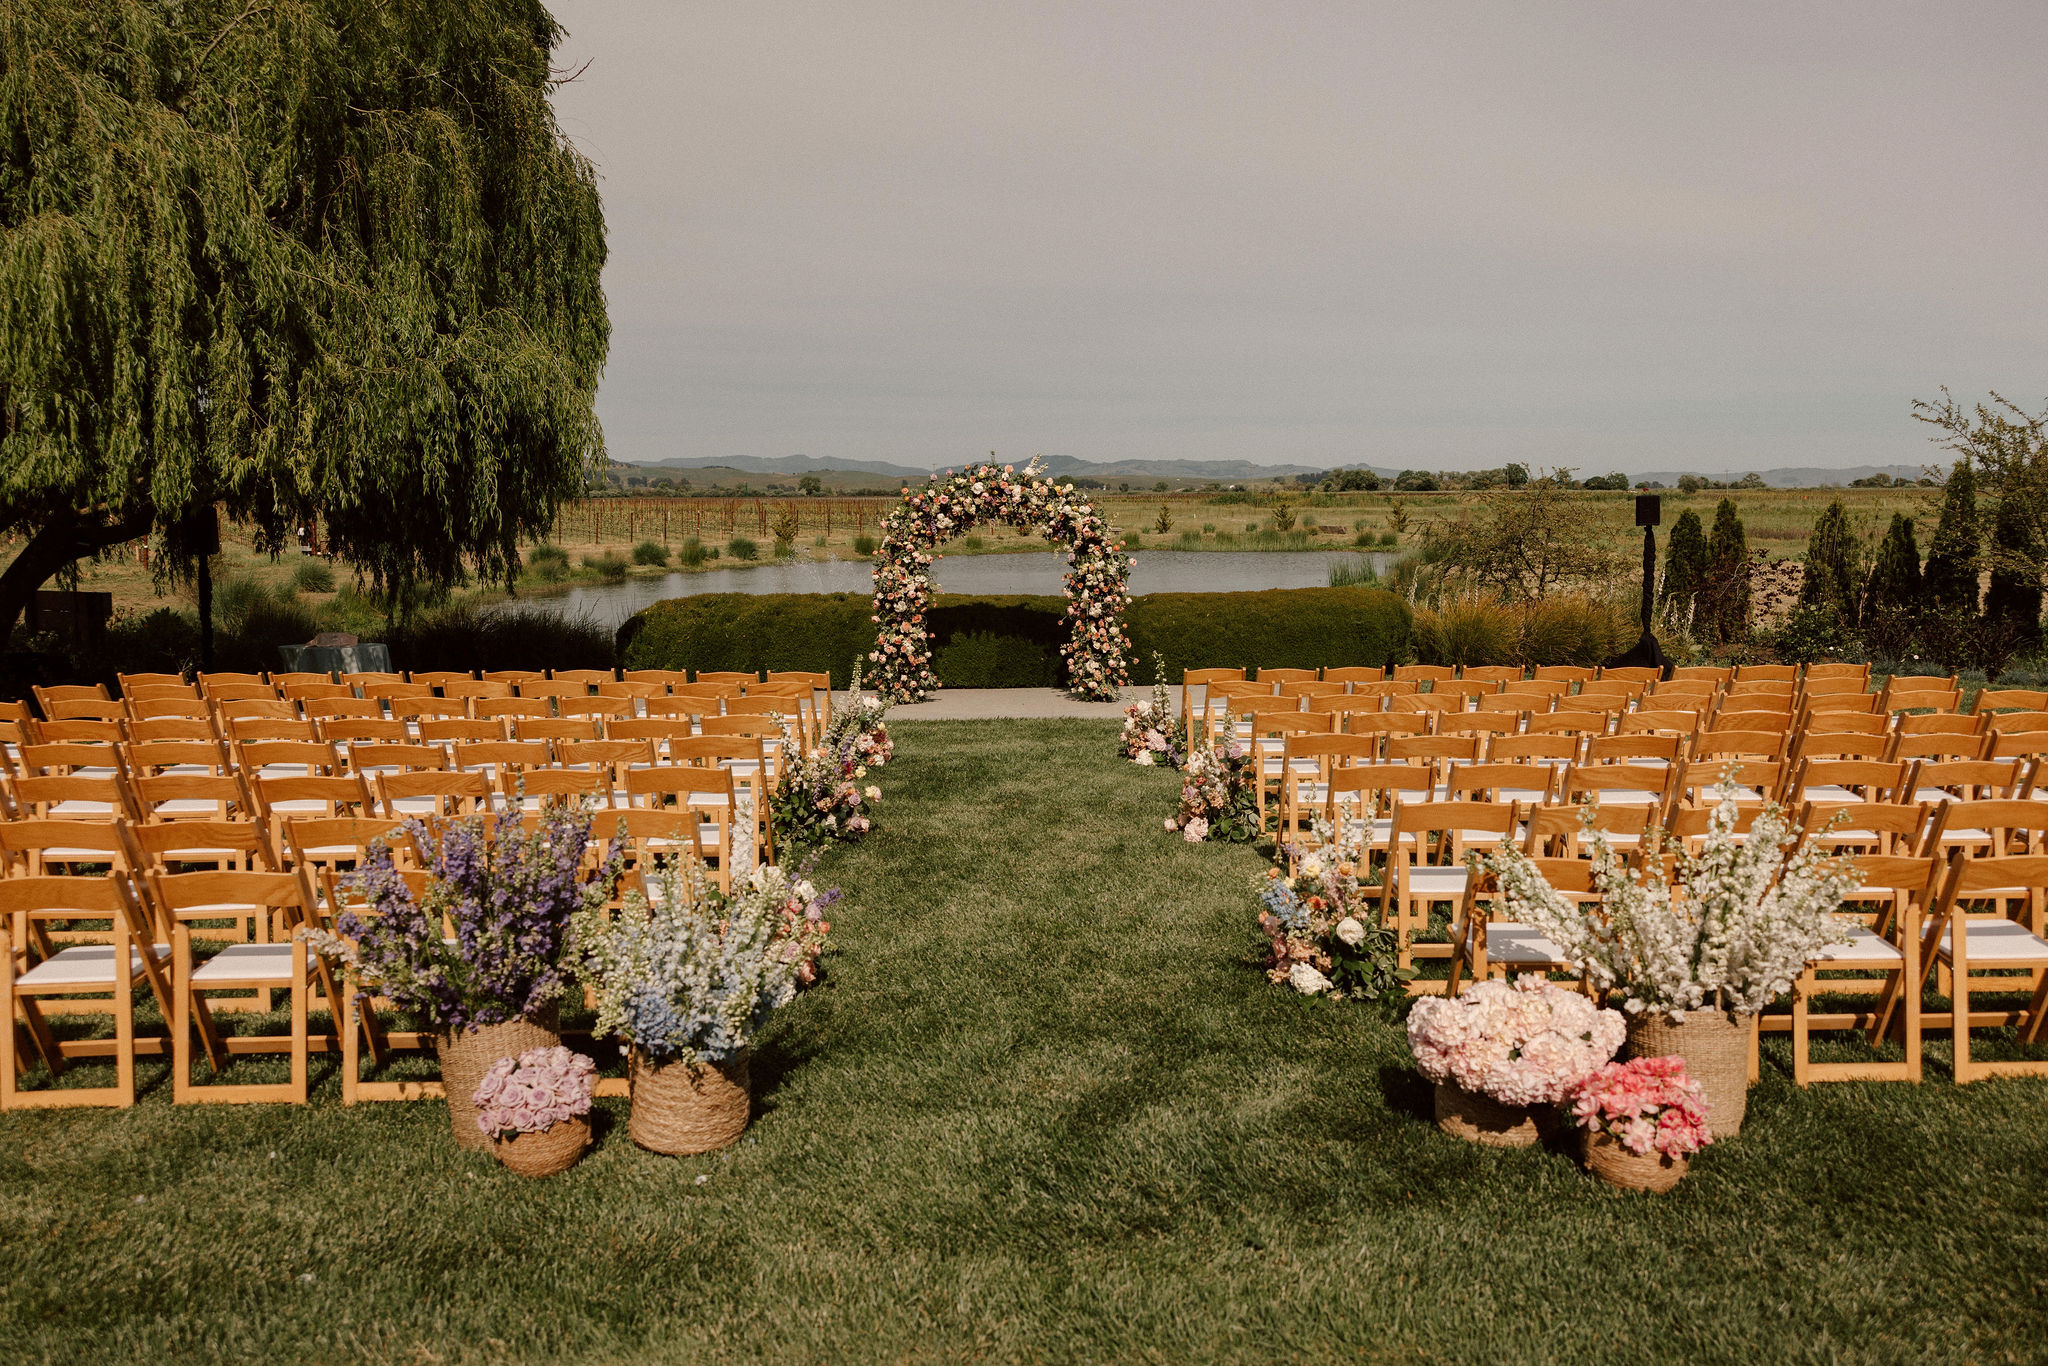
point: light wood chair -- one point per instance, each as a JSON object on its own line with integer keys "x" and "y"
{"x": 1426, "y": 846}
{"x": 1484, "y": 943}
{"x": 1896, "y": 892}
{"x": 2002, "y": 952}
{"x": 432, "y": 796}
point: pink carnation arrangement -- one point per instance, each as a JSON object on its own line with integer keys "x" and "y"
{"x": 1526, "y": 1043}
{"x": 535, "y": 1091}
{"x": 1647, "y": 1104}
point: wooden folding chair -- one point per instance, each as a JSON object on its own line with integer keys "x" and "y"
{"x": 432, "y": 796}
{"x": 1306, "y": 763}
{"x": 286, "y": 900}
{"x": 463, "y": 730}
{"x": 190, "y": 797}
{"x": 531, "y": 790}
{"x": 1560, "y": 831}
{"x": 1886, "y": 942}
{"x": 1426, "y": 847}
{"x": 76, "y": 979}
{"x": 1484, "y": 943}
{"x": 1846, "y": 780}
{"x": 1999, "y": 953}
{"x": 707, "y": 792}
{"x": 1521, "y": 785}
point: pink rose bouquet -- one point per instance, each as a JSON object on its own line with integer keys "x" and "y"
{"x": 1525, "y": 1043}
{"x": 1647, "y": 1104}
{"x": 534, "y": 1091}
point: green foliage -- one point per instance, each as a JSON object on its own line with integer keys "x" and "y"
{"x": 1465, "y": 628}
{"x": 1163, "y": 523}
{"x": 977, "y": 659}
{"x": 692, "y": 553}
{"x": 1685, "y": 559}
{"x": 740, "y": 548}
{"x": 1415, "y": 481}
{"x": 1893, "y": 598}
{"x": 288, "y": 259}
{"x": 2012, "y": 602}
{"x": 313, "y": 576}
{"x": 972, "y": 543}
{"x": 1279, "y": 628}
{"x": 548, "y": 563}
{"x": 786, "y": 525}
{"x": 611, "y": 566}
{"x": 1481, "y": 628}
{"x": 1811, "y": 633}
{"x": 1950, "y": 576}
{"x": 1354, "y": 571}
{"x": 1830, "y": 581}
{"x": 650, "y": 552}
{"x": 1725, "y": 586}
{"x": 1283, "y": 518}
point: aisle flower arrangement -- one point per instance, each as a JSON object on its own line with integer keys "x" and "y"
{"x": 1521, "y": 1043}
{"x": 1323, "y": 935}
{"x": 1219, "y": 795}
{"x": 1738, "y": 929}
{"x": 691, "y": 976}
{"x": 1647, "y": 1105}
{"x": 1150, "y": 736}
{"x": 533, "y": 1092}
{"x": 821, "y": 794}
{"x": 953, "y": 504}
{"x": 508, "y": 896}
{"x": 862, "y": 719}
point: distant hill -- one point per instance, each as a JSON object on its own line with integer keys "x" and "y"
{"x": 1798, "y": 477}
{"x": 1066, "y": 466}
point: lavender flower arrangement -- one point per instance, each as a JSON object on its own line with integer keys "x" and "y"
{"x": 506, "y": 900}
{"x": 533, "y": 1092}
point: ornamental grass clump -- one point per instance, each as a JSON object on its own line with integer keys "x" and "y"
{"x": 1745, "y": 918}
{"x": 689, "y": 976}
{"x": 505, "y": 898}
{"x": 1525, "y": 1043}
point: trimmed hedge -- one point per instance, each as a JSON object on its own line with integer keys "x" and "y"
{"x": 1013, "y": 641}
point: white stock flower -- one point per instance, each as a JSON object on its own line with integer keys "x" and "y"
{"x": 1306, "y": 980}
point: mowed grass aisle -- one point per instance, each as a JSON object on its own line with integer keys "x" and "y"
{"x": 1045, "y": 1109}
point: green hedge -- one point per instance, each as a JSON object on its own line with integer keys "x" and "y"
{"x": 1013, "y": 641}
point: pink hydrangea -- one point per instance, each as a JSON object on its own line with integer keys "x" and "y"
{"x": 1525, "y": 1043}
{"x": 1647, "y": 1104}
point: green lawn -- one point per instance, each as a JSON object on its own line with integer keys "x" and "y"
{"x": 1045, "y": 1109}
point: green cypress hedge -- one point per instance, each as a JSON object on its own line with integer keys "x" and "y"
{"x": 1013, "y": 641}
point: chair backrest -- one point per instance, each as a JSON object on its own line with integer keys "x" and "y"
{"x": 2025, "y": 744}
{"x": 31, "y": 845}
{"x": 1353, "y": 674}
{"x": 1412, "y": 749}
{"x": 620, "y": 707}
{"x": 649, "y": 730}
{"x": 128, "y": 681}
{"x": 56, "y": 760}
{"x": 1563, "y": 829}
{"x": 1286, "y": 675}
{"x": 2009, "y": 699}
{"x": 688, "y": 784}
{"x": 33, "y": 900}
{"x": 343, "y": 709}
{"x": 1738, "y": 744}
{"x": 1941, "y": 745}
{"x": 347, "y": 732}
{"x": 158, "y": 756}
{"x": 1872, "y": 780}
{"x": 1338, "y": 749}
{"x": 1491, "y": 673}
{"x": 1312, "y": 689}
{"x": 494, "y": 755}
{"x": 431, "y": 679}
{"x": 1970, "y": 779}
{"x": 727, "y": 676}
{"x": 1975, "y": 877}
{"x": 1572, "y": 722}
{"x": 151, "y": 708}
{"x": 1563, "y": 673}
{"x": 765, "y": 727}
{"x": 396, "y": 758}
{"x": 450, "y": 794}
{"x": 293, "y": 797}
{"x": 1631, "y": 673}
{"x": 1421, "y": 672}
{"x": 1840, "y": 745}
{"x": 1615, "y": 749}
{"x": 549, "y": 785}
{"x": 285, "y": 897}
{"x": 586, "y": 677}
{"x": 1893, "y": 827}
{"x": 666, "y": 678}
{"x": 172, "y": 728}
{"x": 1487, "y": 782}
{"x": 461, "y": 730}
{"x": 325, "y": 690}
{"x": 514, "y": 675}
{"x": 327, "y": 842}
{"x": 229, "y": 844}
{"x": 1845, "y": 723}
{"x": 273, "y": 728}
{"x": 84, "y": 709}
{"x": 71, "y": 796}
{"x": 1532, "y": 748}
{"x": 1452, "y": 817}
{"x": 1582, "y": 780}
{"x": 555, "y": 728}
{"x": 516, "y": 708}
{"x": 1355, "y": 786}
{"x": 615, "y": 753}
{"x": 2005, "y": 819}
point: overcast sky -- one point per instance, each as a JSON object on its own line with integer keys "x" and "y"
{"x": 1625, "y": 236}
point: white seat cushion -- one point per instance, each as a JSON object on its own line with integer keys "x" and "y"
{"x": 85, "y": 965}
{"x": 2001, "y": 941}
{"x": 1864, "y": 946}
{"x": 1509, "y": 941}
{"x": 246, "y": 963}
{"x": 1441, "y": 883}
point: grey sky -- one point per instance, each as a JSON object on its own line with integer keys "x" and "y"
{"x": 1624, "y": 236}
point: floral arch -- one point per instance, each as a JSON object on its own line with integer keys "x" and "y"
{"x": 952, "y": 505}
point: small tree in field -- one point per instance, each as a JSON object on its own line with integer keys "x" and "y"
{"x": 1950, "y": 576}
{"x": 1685, "y": 560}
{"x": 1893, "y": 597}
{"x": 2012, "y": 603}
{"x": 1724, "y": 591}
{"x": 1830, "y": 581}
{"x": 1525, "y": 542}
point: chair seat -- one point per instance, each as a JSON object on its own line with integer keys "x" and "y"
{"x": 1438, "y": 882}
{"x": 82, "y": 811}
{"x": 191, "y": 808}
{"x": 1998, "y": 941}
{"x": 1864, "y": 945}
{"x": 1829, "y": 792}
{"x": 1510, "y": 941}
{"x": 243, "y": 963}
{"x": 85, "y": 965}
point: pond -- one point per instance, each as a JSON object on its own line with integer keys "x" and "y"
{"x": 1158, "y": 571}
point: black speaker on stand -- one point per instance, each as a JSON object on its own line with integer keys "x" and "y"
{"x": 1646, "y": 653}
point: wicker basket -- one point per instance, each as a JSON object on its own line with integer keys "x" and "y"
{"x": 1715, "y": 1046}
{"x": 553, "y": 1149}
{"x": 1617, "y": 1166}
{"x": 681, "y": 1107}
{"x": 1481, "y": 1119}
{"x": 465, "y": 1057}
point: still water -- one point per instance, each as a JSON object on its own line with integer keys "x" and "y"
{"x": 1158, "y": 571}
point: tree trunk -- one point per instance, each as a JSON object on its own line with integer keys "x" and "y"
{"x": 59, "y": 541}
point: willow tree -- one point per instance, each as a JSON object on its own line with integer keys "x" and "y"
{"x": 287, "y": 259}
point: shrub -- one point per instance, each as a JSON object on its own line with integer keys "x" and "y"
{"x": 1353, "y": 572}
{"x": 548, "y": 563}
{"x": 980, "y": 660}
{"x": 610, "y": 566}
{"x": 650, "y": 552}
{"x": 313, "y": 576}
{"x": 1570, "y": 628}
{"x": 1470, "y": 628}
{"x": 971, "y": 543}
{"x": 863, "y": 545}
{"x": 1278, "y": 628}
{"x": 692, "y": 553}
{"x": 1389, "y": 538}
{"x": 785, "y": 550}
{"x": 740, "y": 548}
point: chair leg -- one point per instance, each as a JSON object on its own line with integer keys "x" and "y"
{"x": 124, "y": 1024}
{"x": 181, "y": 1015}
{"x": 302, "y": 989}
{"x": 1959, "y": 999}
{"x": 1801, "y": 1035}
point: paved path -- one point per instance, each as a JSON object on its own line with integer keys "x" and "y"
{"x": 980, "y": 704}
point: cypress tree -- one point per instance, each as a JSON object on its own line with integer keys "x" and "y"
{"x": 1950, "y": 577}
{"x": 1727, "y": 578}
{"x": 2012, "y": 605}
{"x": 1685, "y": 559}
{"x": 1830, "y": 582}
{"x": 1892, "y": 598}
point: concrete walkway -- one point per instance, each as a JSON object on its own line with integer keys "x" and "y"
{"x": 980, "y": 704}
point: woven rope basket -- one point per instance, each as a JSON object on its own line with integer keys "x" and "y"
{"x": 681, "y": 1108}
{"x": 1481, "y": 1119}
{"x": 465, "y": 1057}
{"x": 1715, "y": 1046}
{"x": 1617, "y": 1166}
{"x": 553, "y": 1149}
